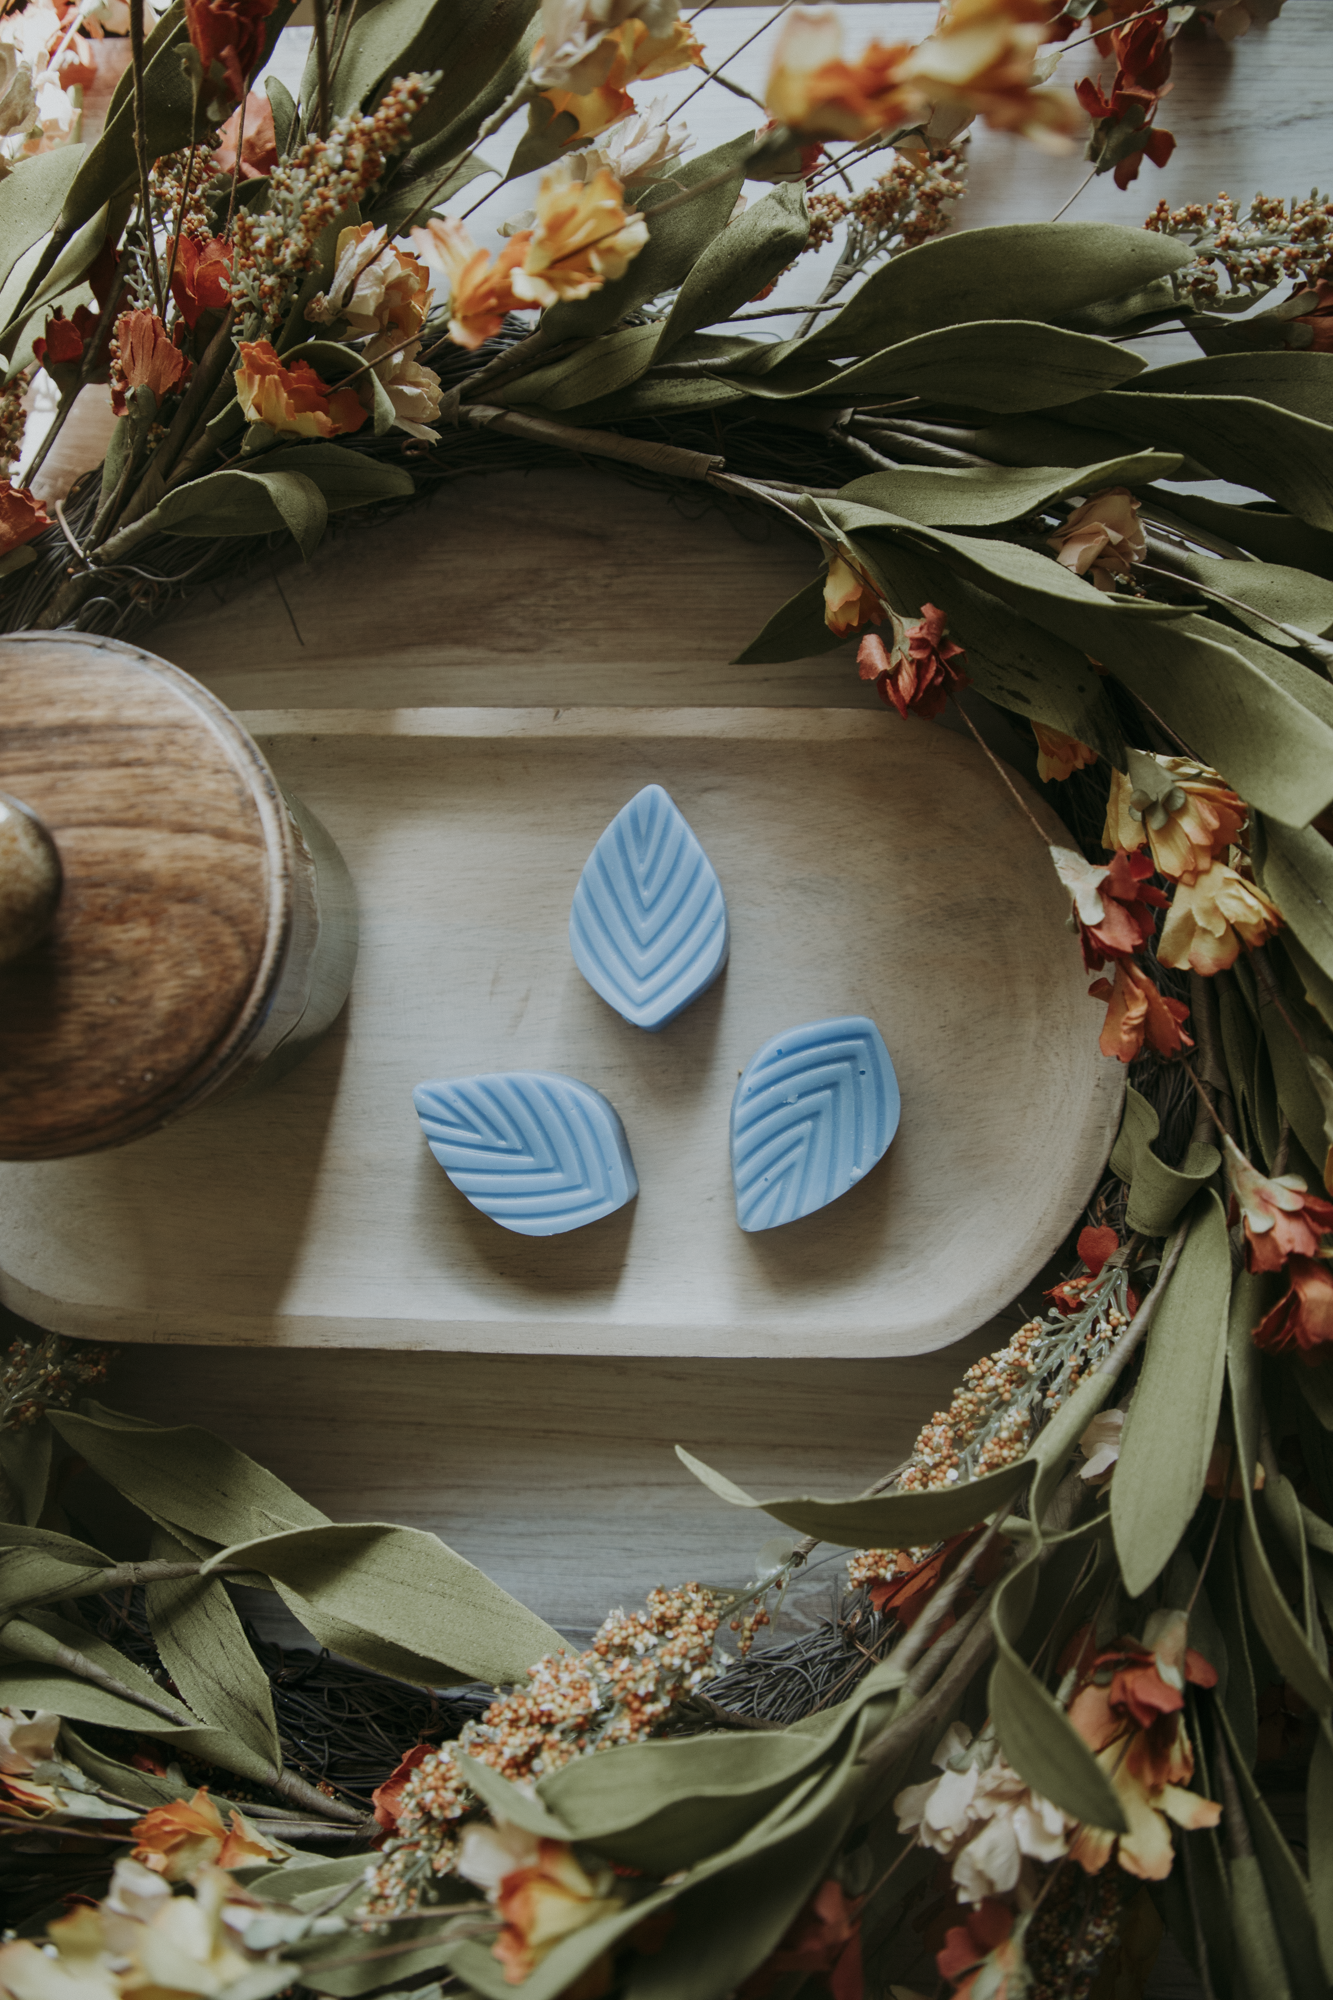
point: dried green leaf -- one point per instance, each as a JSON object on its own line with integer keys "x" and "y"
{"x": 198, "y": 1633}
{"x": 1284, "y": 1886}
{"x": 1264, "y": 530}
{"x": 887, "y": 1520}
{"x": 796, "y": 631}
{"x": 398, "y": 1600}
{"x": 598, "y": 368}
{"x": 1171, "y": 1422}
{"x": 31, "y": 197}
{"x": 739, "y": 262}
{"x": 1026, "y": 270}
{"x": 1301, "y": 383}
{"x": 1319, "y": 1835}
{"x": 1295, "y": 867}
{"x": 985, "y": 496}
{"x": 27, "y": 1574}
{"x": 246, "y": 503}
{"x": 1157, "y": 1193}
{"x": 1286, "y": 595}
{"x": 25, "y": 1470}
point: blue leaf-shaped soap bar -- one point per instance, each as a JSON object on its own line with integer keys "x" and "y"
{"x": 812, "y": 1113}
{"x": 538, "y": 1152}
{"x": 649, "y": 924}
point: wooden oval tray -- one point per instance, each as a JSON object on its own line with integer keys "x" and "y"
{"x": 870, "y": 866}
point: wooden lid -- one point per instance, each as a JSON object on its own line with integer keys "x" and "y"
{"x": 173, "y": 917}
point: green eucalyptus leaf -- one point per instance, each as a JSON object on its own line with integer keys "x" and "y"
{"x": 1264, "y": 530}
{"x": 110, "y": 167}
{"x": 1301, "y": 383}
{"x": 1035, "y": 1733}
{"x": 1171, "y": 1422}
{"x": 469, "y": 40}
{"x": 37, "y": 1639}
{"x": 1295, "y": 867}
{"x": 69, "y": 267}
{"x": 985, "y": 496}
{"x": 346, "y": 478}
{"x": 739, "y": 262}
{"x": 886, "y": 1520}
{"x": 796, "y": 631}
{"x": 284, "y": 109}
{"x": 653, "y": 398}
{"x": 1157, "y": 1193}
{"x": 1026, "y": 270}
{"x": 1284, "y": 1886}
{"x": 234, "y": 502}
{"x": 25, "y": 1462}
{"x": 1255, "y": 443}
{"x": 63, "y": 1548}
{"x": 1000, "y": 365}
{"x": 676, "y": 240}
{"x": 202, "y": 1644}
{"x": 1319, "y": 1836}
{"x": 1283, "y": 594}
{"x": 421, "y": 189}
{"x": 185, "y": 1478}
{"x": 599, "y": 367}
{"x": 31, "y": 197}
{"x": 27, "y": 1574}
{"x": 398, "y": 1600}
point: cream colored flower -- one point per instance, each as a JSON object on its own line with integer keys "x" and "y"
{"x": 413, "y": 390}
{"x": 480, "y": 285}
{"x": 637, "y": 148}
{"x": 1212, "y": 917}
{"x": 584, "y": 237}
{"x": 1100, "y": 1446}
{"x": 176, "y": 1840}
{"x": 376, "y": 287}
{"x": 982, "y": 1814}
{"x": 1188, "y": 815}
{"x": 1102, "y": 539}
{"x": 818, "y": 95}
{"x": 982, "y": 58}
{"x": 26, "y": 1740}
{"x": 574, "y": 51}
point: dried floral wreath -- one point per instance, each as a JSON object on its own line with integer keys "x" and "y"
{"x": 1092, "y": 1610}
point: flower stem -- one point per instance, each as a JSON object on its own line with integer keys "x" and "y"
{"x": 141, "y": 147}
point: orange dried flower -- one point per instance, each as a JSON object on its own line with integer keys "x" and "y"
{"x": 481, "y": 287}
{"x": 201, "y": 281}
{"x": 1282, "y": 1218}
{"x": 1211, "y": 918}
{"x": 980, "y": 59}
{"x": 813, "y": 92}
{"x": 1059, "y": 756}
{"x": 176, "y": 1839}
{"x": 632, "y": 53}
{"x": 584, "y": 237}
{"x": 1137, "y": 1012}
{"x": 292, "y": 401}
{"x": 146, "y": 358}
{"x": 850, "y": 598}
{"x": 259, "y": 147}
{"x": 1114, "y": 906}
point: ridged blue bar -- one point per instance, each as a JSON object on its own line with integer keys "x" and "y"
{"x": 813, "y": 1112}
{"x": 649, "y": 924}
{"x": 538, "y": 1152}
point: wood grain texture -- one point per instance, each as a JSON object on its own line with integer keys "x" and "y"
{"x": 171, "y": 925}
{"x": 870, "y": 866}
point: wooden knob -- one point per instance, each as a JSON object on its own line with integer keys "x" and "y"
{"x": 29, "y": 878}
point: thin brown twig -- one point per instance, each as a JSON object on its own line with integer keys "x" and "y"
{"x": 1007, "y": 781}
{"x": 141, "y": 148}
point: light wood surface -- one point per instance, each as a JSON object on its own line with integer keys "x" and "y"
{"x": 870, "y": 866}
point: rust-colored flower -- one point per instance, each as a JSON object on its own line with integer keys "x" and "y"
{"x": 1212, "y": 917}
{"x": 176, "y": 1839}
{"x": 1134, "y": 1724}
{"x": 632, "y": 53}
{"x": 983, "y": 1955}
{"x": 481, "y": 288}
{"x": 825, "y": 1938}
{"x": 387, "y": 1799}
{"x": 21, "y": 517}
{"x": 909, "y": 1586}
{"x": 1189, "y": 816}
{"x": 1282, "y": 1218}
{"x": 924, "y": 668}
{"x": 540, "y": 1889}
{"x": 1303, "y": 1318}
{"x": 201, "y": 281}
{"x": 60, "y": 350}
{"x": 585, "y": 236}
{"x": 259, "y": 146}
{"x": 292, "y": 401}
{"x": 850, "y": 598}
{"x": 980, "y": 59}
{"x": 1102, "y": 539}
{"x": 146, "y": 357}
{"x": 231, "y": 33}
{"x": 1138, "y": 1012}
{"x": 1124, "y": 129}
{"x": 1059, "y": 756}
{"x": 1114, "y": 906}
{"x": 813, "y": 92}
